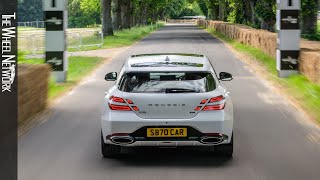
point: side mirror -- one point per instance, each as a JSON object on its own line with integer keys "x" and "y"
{"x": 111, "y": 76}
{"x": 224, "y": 76}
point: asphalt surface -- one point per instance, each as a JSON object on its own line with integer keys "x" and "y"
{"x": 272, "y": 140}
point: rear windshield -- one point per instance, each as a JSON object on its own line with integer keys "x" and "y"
{"x": 167, "y": 82}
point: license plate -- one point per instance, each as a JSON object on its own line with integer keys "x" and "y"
{"x": 166, "y": 132}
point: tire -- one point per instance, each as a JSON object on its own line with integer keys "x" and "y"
{"x": 225, "y": 150}
{"x": 109, "y": 150}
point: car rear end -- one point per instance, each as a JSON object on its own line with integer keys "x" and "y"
{"x": 167, "y": 108}
{"x": 139, "y": 124}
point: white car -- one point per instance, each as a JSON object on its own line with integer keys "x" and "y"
{"x": 167, "y": 100}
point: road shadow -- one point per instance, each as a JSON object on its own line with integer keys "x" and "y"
{"x": 172, "y": 157}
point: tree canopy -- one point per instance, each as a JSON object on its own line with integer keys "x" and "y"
{"x": 126, "y": 13}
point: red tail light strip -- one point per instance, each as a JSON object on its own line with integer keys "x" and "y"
{"x": 211, "y": 107}
{"x": 129, "y": 101}
{"x": 135, "y": 108}
{"x": 117, "y": 99}
{"x": 204, "y": 101}
{"x": 119, "y": 107}
{"x": 214, "y": 107}
{"x": 216, "y": 99}
{"x": 198, "y": 108}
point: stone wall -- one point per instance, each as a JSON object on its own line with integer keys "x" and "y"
{"x": 32, "y": 90}
{"x": 309, "y": 60}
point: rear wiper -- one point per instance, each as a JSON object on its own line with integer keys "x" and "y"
{"x": 178, "y": 90}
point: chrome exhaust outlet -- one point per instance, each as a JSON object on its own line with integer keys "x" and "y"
{"x": 211, "y": 140}
{"x": 122, "y": 139}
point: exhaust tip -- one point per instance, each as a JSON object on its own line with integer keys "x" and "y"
{"x": 122, "y": 139}
{"x": 211, "y": 140}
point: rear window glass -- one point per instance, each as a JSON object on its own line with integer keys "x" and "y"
{"x": 167, "y": 82}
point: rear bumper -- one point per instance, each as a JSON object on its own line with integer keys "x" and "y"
{"x": 127, "y": 124}
{"x": 165, "y": 143}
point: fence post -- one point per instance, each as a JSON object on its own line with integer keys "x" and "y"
{"x": 34, "y": 46}
{"x": 288, "y": 40}
{"x": 55, "y": 37}
{"x": 80, "y": 38}
{"x": 101, "y": 36}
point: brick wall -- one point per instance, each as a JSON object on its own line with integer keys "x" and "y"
{"x": 32, "y": 90}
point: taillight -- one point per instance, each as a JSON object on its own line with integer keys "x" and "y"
{"x": 135, "y": 108}
{"x": 129, "y": 101}
{"x": 216, "y": 99}
{"x": 128, "y": 104}
{"x": 209, "y": 107}
{"x": 119, "y": 107}
{"x": 204, "y": 101}
{"x": 117, "y": 99}
{"x": 198, "y": 108}
{"x": 214, "y": 107}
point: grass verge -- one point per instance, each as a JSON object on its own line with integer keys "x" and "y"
{"x": 21, "y": 28}
{"x": 79, "y": 67}
{"x": 304, "y": 92}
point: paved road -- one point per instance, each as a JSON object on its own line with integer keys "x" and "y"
{"x": 271, "y": 141}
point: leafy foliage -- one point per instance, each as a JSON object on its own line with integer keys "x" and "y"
{"x": 309, "y": 7}
{"x": 309, "y": 10}
{"x": 236, "y": 14}
{"x": 265, "y": 10}
{"x": 191, "y": 9}
{"x": 30, "y": 10}
{"x": 84, "y": 13}
{"x": 255, "y": 13}
{"x": 258, "y": 13}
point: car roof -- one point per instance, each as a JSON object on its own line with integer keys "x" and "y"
{"x": 168, "y": 62}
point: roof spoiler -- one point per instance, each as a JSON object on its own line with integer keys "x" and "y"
{"x": 158, "y": 54}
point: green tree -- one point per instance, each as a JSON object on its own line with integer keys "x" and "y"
{"x": 236, "y": 13}
{"x": 126, "y": 14}
{"x": 116, "y": 14}
{"x": 107, "y": 29}
{"x": 174, "y": 8}
{"x": 203, "y": 7}
{"x": 191, "y": 9}
{"x": 30, "y": 10}
{"x": 265, "y": 11}
{"x": 84, "y": 13}
{"x": 309, "y": 16}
